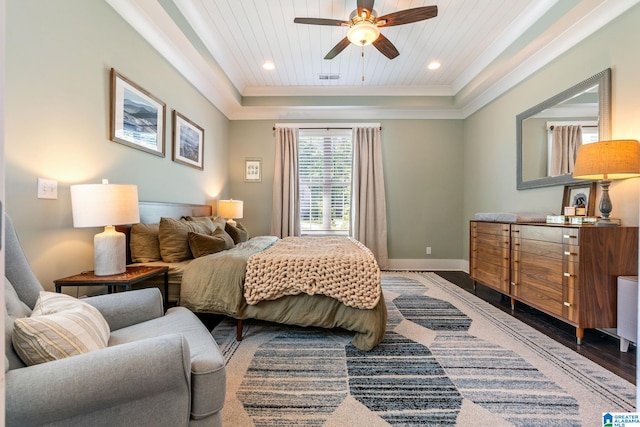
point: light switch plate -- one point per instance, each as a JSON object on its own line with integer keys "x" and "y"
{"x": 47, "y": 188}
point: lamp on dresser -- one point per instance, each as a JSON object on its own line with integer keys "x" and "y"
{"x": 606, "y": 161}
{"x": 106, "y": 205}
{"x": 230, "y": 209}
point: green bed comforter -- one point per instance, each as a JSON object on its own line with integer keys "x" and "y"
{"x": 214, "y": 284}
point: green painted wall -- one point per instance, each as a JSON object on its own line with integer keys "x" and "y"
{"x": 58, "y": 58}
{"x": 490, "y": 148}
{"x": 423, "y": 182}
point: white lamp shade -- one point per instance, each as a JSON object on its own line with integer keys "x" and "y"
{"x": 97, "y": 205}
{"x": 230, "y": 208}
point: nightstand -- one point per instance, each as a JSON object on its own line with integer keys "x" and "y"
{"x": 134, "y": 274}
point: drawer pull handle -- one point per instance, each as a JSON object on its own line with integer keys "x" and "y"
{"x": 567, "y": 304}
{"x": 567, "y": 236}
{"x": 568, "y": 275}
{"x": 570, "y": 254}
{"x": 515, "y": 231}
{"x": 514, "y": 284}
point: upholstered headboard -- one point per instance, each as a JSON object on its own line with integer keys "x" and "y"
{"x": 151, "y": 212}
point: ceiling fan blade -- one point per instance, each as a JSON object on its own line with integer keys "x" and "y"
{"x": 338, "y": 48}
{"x": 320, "y": 21}
{"x": 407, "y": 16}
{"x": 365, "y": 5}
{"x": 386, "y": 47}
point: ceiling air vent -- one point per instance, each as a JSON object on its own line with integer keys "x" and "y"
{"x": 329, "y": 76}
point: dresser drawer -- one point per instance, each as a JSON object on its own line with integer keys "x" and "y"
{"x": 536, "y": 247}
{"x": 490, "y": 228}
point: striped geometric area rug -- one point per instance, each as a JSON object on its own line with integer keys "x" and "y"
{"x": 448, "y": 358}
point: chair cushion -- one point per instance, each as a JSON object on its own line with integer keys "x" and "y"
{"x": 59, "y": 326}
{"x": 14, "y": 308}
{"x": 208, "y": 377}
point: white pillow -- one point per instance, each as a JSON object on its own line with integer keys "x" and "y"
{"x": 59, "y": 326}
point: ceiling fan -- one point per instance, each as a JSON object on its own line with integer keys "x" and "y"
{"x": 364, "y": 26}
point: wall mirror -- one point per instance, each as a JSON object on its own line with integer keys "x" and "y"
{"x": 587, "y": 104}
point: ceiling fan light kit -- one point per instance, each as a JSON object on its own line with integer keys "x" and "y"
{"x": 363, "y": 33}
{"x": 364, "y": 26}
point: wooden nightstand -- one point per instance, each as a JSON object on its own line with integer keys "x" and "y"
{"x": 134, "y": 274}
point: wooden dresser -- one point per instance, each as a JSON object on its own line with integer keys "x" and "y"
{"x": 567, "y": 271}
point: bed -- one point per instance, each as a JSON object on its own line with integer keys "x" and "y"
{"x": 215, "y": 283}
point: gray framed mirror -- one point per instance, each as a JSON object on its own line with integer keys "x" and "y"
{"x": 587, "y": 104}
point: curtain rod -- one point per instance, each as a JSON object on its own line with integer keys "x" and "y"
{"x": 584, "y": 126}
{"x": 329, "y": 128}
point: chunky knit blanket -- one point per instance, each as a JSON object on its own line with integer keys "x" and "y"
{"x": 338, "y": 267}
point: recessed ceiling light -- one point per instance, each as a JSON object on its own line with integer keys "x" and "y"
{"x": 434, "y": 65}
{"x": 269, "y": 65}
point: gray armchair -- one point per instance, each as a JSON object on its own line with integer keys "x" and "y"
{"x": 158, "y": 370}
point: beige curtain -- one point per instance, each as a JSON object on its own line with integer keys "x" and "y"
{"x": 285, "y": 219}
{"x": 565, "y": 141}
{"x": 370, "y": 212}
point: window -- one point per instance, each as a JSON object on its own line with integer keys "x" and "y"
{"x": 325, "y": 163}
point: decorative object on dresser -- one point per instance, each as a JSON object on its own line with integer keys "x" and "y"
{"x": 567, "y": 271}
{"x": 188, "y": 142}
{"x": 581, "y": 195}
{"x": 106, "y": 205}
{"x": 137, "y": 117}
{"x": 606, "y": 161}
{"x": 230, "y": 209}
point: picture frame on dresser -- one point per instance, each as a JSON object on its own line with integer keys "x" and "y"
{"x": 188, "y": 142}
{"x": 575, "y": 194}
{"x": 137, "y": 118}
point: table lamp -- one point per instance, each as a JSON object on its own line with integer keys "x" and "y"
{"x": 606, "y": 161}
{"x": 230, "y": 209}
{"x": 97, "y": 205}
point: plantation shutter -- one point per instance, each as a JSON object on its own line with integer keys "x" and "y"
{"x": 325, "y": 163}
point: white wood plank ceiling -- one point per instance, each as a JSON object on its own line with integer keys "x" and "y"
{"x": 243, "y": 34}
{"x": 485, "y": 47}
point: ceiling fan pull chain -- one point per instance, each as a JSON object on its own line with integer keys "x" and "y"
{"x": 362, "y": 54}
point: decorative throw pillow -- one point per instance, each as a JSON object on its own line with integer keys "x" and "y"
{"x": 145, "y": 245}
{"x": 217, "y": 221}
{"x": 238, "y": 233}
{"x": 203, "y": 244}
{"x": 173, "y": 236}
{"x": 59, "y": 326}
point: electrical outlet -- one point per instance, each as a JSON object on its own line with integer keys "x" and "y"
{"x": 47, "y": 188}
{"x": 428, "y": 250}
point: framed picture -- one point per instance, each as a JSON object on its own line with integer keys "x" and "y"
{"x": 137, "y": 117}
{"x": 580, "y": 194}
{"x": 188, "y": 142}
{"x": 252, "y": 170}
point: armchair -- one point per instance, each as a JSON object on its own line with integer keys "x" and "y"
{"x": 158, "y": 369}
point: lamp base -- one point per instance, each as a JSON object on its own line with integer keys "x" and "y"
{"x": 110, "y": 252}
{"x": 231, "y": 222}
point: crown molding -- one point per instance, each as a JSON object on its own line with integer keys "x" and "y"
{"x": 152, "y": 22}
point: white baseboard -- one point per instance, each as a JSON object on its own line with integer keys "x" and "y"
{"x": 429, "y": 264}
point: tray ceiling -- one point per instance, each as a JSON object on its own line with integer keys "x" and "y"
{"x": 484, "y": 48}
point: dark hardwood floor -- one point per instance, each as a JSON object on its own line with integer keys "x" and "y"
{"x": 597, "y": 346}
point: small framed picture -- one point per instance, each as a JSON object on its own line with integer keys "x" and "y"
{"x": 580, "y": 195}
{"x": 188, "y": 142}
{"x": 252, "y": 170}
{"x": 137, "y": 117}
